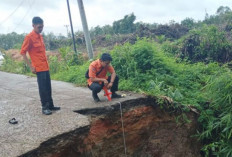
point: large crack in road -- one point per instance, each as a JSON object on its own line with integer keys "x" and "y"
{"x": 19, "y": 98}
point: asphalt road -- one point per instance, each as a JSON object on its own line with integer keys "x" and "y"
{"x": 19, "y": 98}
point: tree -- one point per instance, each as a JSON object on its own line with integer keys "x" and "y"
{"x": 107, "y": 29}
{"x": 96, "y": 31}
{"x": 125, "y": 25}
{"x": 188, "y": 22}
{"x": 223, "y": 10}
{"x": 11, "y": 40}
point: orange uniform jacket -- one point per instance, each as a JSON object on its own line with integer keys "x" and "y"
{"x": 95, "y": 67}
{"x": 34, "y": 45}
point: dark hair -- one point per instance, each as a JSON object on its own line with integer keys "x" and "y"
{"x": 106, "y": 57}
{"x": 37, "y": 20}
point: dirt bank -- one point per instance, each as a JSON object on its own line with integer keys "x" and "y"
{"x": 149, "y": 131}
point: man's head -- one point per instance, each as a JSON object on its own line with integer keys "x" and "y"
{"x": 105, "y": 59}
{"x": 37, "y": 24}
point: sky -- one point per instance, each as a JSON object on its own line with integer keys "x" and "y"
{"x": 16, "y": 15}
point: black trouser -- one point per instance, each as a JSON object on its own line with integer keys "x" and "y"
{"x": 45, "y": 90}
{"x": 96, "y": 87}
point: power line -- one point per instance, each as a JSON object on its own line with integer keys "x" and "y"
{"x": 11, "y": 13}
{"x": 31, "y": 4}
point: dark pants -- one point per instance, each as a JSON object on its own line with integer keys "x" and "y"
{"x": 45, "y": 90}
{"x": 96, "y": 87}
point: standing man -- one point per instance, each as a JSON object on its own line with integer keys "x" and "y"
{"x": 98, "y": 78}
{"x": 34, "y": 45}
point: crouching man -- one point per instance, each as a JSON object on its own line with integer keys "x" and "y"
{"x": 98, "y": 77}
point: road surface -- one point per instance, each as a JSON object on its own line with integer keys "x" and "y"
{"x": 19, "y": 98}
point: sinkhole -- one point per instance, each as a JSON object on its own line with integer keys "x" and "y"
{"x": 134, "y": 128}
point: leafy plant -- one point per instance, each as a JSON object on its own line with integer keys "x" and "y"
{"x": 206, "y": 44}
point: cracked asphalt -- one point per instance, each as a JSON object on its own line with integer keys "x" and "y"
{"x": 19, "y": 98}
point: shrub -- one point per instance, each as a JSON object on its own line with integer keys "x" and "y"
{"x": 207, "y": 44}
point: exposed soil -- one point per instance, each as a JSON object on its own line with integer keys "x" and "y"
{"x": 15, "y": 54}
{"x": 149, "y": 132}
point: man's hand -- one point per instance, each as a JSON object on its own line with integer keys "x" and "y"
{"x": 33, "y": 70}
{"x": 110, "y": 85}
{"x": 28, "y": 63}
{"x": 105, "y": 82}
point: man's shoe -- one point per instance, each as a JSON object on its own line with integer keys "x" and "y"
{"x": 46, "y": 111}
{"x": 95, "y": 97}
{"x": 54, "y": 108}
{"x": 115, "y": 95}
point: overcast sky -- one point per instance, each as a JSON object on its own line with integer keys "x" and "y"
{"x": 16, "y": 15}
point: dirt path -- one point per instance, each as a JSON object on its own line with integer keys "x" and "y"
{"x": 19, "y": 99}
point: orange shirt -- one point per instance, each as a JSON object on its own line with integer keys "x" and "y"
{"x": 34, "y": 45}
{"x": 95, "y": 67}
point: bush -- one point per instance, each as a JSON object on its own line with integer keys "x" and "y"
{"x": 75, "y": 74}
{"x": 216, "y": 117}
{"x": 142, "y": 53}
{"x": 207, "y": 44}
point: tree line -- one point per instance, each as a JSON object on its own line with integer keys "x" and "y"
{"x": 194, "y": 40}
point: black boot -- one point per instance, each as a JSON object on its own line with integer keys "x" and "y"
{"x": 45, "y": 109}
{"x": 52, "y": 107}
{"x": 115, "y": 95}
{"x": 95, "y": 97}
{"x": 55, "y": 108}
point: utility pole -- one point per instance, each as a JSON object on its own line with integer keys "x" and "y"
{"x": 66, "y": 28}
{"x": 70, "y": 19}
{"x": 85, "y": 29}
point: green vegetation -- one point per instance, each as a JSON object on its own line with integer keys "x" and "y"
{"x": 205, "y": 44}
{"x": 11, "y": 40}
{"x": 188, "y": 62}
{"x": 10, "y": 65}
